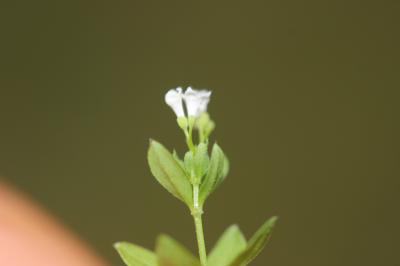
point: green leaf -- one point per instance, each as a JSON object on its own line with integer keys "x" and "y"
{"x": 171, "y": 253}
{"x": 169, "y": 172}
{"x": 176, "y": 157}
{"x": 228, "y": 247}
{"x": 205, "y": 126}
{"x": 201, "y": 160}
{"x": 188, "y": 163}
{"x": 214, "y": 174}
{"x": 225, "y": 170}
{"x": 256, "y": 243}
{"x": 134, "y": 255}
{"x": 196, "y": 163}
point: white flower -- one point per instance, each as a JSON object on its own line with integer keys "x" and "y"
{"x": 196, "y": 101}
{"x": 174, "y": 99}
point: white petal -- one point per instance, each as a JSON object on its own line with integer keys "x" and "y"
{"x": 174, "y": 99}
{"x": 196, "y": 101}
{"x": 205, "y": 99}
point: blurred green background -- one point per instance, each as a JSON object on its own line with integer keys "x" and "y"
{"x": 306, "y": 100}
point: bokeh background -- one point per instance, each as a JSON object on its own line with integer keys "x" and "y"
{"x": 305, "y": 96}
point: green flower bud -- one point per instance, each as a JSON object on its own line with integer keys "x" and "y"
{"x": 182, "y": 122}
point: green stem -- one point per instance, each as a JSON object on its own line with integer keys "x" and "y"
{"x": 200, "y": 240}
{"x": 197, "y": 213}
{"x": 190, "y": 135}
{"x": 189, "y": 142}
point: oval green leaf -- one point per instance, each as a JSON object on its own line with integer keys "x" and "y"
{"x": 228, "y": 247}
{"x": 172, "y": 253}
{"x": 215, "y": 173}
{"x": 169, "y": 173}
{"x": 134, "y": 255}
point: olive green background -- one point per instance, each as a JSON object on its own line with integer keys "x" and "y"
{"x": 305, "y": 96}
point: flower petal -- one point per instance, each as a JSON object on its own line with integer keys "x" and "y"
{"x": 174, "y": 99}
{"x": 196, "y": 101}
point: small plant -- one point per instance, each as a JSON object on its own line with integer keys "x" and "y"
{"x": 192, "y": 180}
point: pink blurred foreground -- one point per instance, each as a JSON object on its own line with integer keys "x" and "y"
{"x": 29, "y": 236}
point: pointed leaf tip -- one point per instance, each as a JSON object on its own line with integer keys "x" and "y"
{"x": 256, "y": 243}
{"x": 230, "y": 245}
{"x": 273, "y": 220}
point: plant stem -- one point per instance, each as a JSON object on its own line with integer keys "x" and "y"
{"x": 200, "y": 239}
{"x": 198, "y": 223}
{"x": 189, "y": 138}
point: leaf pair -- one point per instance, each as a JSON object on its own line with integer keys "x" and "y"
{"x": 168, "y": 253}
{"x": 198, "y": 168}
{"x": 233, "y": 250}
{"x": 230, "y": 250}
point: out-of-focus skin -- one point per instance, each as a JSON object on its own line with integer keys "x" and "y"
{"x": 31, "y": 237}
